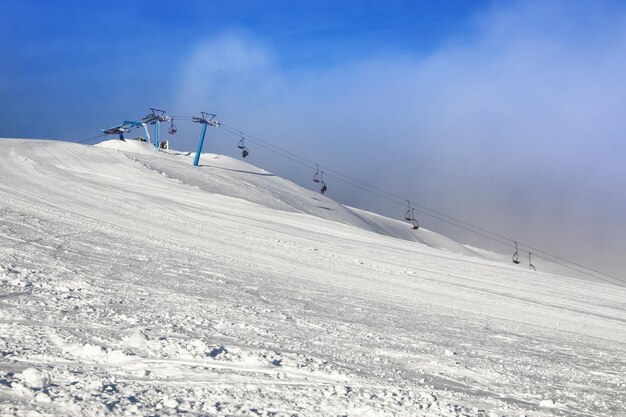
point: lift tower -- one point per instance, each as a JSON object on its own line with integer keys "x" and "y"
{"x": 205, "y": 119}
{"x": 154, "y": 118}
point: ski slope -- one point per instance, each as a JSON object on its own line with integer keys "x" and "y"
{"x": 132, "y": 283}
{"x": 235, "y": 178}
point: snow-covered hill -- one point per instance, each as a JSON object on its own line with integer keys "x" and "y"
{"x": 235, "y": 178}
{"x": 134, "y": 283}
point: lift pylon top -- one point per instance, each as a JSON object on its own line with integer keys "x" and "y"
{"x": 206, "y": 119}
{"x": 156, "y": 115}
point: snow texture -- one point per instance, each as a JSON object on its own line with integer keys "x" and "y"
{"x": 132, "y": 283}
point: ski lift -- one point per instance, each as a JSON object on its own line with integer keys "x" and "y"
{"x": 316, "y": 177}
{"x": 414, "y": 222}
{"x": 408, "y": 214}
{"x": 155, "y": 117}
{"x": 242, "y": 145}
{"x": 530, "y": 264}
{"x": 172, "y": 128}
{"x": 516, "y": 255}
{"x": 321, "y": 180}
{"x": 205, "y": 119}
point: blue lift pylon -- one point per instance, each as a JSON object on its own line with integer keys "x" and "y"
{"x": 154, "y": 118}
{"x": 205, "y": 119}
{"x": 139, "y": 124}
{"x": 126, "y": 126}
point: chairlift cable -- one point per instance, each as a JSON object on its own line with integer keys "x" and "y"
{"x": 372, "y": 190}
{"x": 438, "y": 215}
{"x": 398, "y": 200}
{"x": 395, "y": 197}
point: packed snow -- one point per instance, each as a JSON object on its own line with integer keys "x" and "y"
{"x": 132, "y": 283}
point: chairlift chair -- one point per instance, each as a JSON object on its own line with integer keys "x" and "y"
{"x": 516, "y": 255}
{"x": 172, "y": 128}
{"x": 316, "y": 177}
{"x": 414, "y": 222}
{"x": 530, "y": 264}
{"x": 321, "y": 180}
{"x": 407, "y": 215}
{"x": 242, "y": 145}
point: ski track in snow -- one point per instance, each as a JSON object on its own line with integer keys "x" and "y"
{"x": 131, "y": 285}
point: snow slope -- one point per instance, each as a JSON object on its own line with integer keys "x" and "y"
{"x": 131, "y": 283}
{"x": 235, "y": 178}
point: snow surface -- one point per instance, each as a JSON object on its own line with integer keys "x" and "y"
{"x": 236, "y": 178}
{"x": 132, "y": 283}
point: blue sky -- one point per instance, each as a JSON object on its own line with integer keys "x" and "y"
{"x": 509, "y": 115}
{"x": 76, "y": 58}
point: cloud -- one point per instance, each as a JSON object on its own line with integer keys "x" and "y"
{"x": 228, "y": 65}
{"x": 517, "y": 126}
